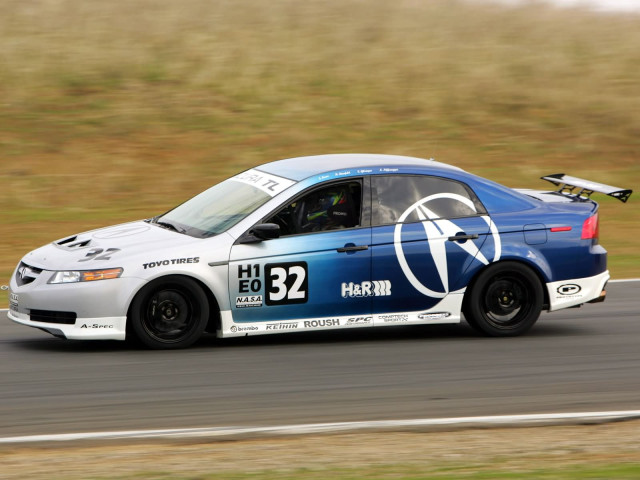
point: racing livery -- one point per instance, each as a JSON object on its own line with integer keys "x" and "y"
{"x": 324, "y": 242}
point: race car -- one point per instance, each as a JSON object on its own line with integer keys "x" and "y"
{"x": 324, "y": 242}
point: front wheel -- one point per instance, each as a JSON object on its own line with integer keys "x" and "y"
{"x": 505, "y": 300}
{"x": 169, "y": 313}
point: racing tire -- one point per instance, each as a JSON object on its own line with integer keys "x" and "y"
{"x": 169, "y": 313}
{"x": 505, "y": 300}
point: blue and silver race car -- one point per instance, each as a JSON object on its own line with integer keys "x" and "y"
{"x": 324, "y": 242}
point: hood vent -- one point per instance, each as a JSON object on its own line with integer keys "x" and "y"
{"x": 67, "y": 242}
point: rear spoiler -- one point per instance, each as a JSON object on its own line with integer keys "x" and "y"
{"x": 569, "y": 184}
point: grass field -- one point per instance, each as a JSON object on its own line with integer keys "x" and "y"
{"x": 114, "y": 111}
{"x": 579, "y": 452}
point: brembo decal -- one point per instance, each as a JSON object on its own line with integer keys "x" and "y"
{"x": 437, "y": 230}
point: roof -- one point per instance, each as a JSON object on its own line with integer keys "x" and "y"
{"x": 300, "y": 168}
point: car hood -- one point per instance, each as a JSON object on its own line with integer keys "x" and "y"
{"x": 108, "y": 247}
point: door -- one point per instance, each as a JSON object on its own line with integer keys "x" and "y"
{"x": 318, "y": 270}
{"x": 426, "y": 232}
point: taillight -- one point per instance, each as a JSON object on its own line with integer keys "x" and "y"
{"x": 591, "y": 228}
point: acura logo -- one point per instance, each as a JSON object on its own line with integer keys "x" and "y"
{"x": 437, "y": 231}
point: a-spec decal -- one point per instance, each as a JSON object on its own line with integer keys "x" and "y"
{"x": 437, "y": 230}
{"x": 376, "y": 288}
{"x": 270, "y": 184}
{"x": 286, "y": 283}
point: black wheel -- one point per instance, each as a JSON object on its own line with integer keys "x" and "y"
{"x": 505, "y": 300}
{"x": 171, "y": 312}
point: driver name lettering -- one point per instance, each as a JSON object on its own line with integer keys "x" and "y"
{"x": 173, "y": 261}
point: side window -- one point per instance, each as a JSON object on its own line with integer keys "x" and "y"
{"x": 394, "y": 197}
{"x": 332, "y": 207}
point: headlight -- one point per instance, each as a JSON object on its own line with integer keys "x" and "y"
{"x": 73, "y": 276}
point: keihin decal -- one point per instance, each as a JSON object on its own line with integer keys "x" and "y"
{"x": 376, "y": 288}
{"x": 282, "y": 326}
{"x": 270, "y": 184}
{"x": 437, "y": 231}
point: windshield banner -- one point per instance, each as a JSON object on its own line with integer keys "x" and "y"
{"x": 270, "y": 184}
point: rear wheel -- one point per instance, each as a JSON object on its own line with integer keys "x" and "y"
{"x": 169, "y": 313}
{"x": 505, "y": 300}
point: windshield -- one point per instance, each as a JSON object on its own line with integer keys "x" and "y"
{"x": 214, "y": 210}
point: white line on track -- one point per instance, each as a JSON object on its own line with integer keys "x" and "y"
{"x": 317, "y": 428}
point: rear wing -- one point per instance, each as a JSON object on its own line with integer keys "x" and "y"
{"x": 586, "y": 188}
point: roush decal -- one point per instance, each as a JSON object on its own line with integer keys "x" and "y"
{"x": 376, "y": 288}
{"x": 437, "y": 230}
{"x": 270, "y": 184}
{"x": 286, "y": 283}
{"x": 328, "y": 322}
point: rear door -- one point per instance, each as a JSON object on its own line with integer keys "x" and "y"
{"x": 426, "y": 232}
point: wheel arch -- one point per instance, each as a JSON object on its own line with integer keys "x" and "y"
{"x": 530, "y": 265}
{"x": 214, "y": 322}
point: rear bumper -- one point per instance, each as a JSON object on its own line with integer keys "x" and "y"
{"x": 570, "y": 293}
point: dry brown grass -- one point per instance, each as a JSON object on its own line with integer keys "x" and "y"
{"x": 111, "y": 111}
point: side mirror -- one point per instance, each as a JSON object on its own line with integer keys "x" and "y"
{"x": 260, "y": 232}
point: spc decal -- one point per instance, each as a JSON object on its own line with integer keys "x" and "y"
{"x": 376, "y": 288}
{"x": 356, "y": 321}
{"x": 286, "y": 283}
{"x": 249, "y": 301}
{"x": 437, "y": 231}
{"x": 173, "y": 261}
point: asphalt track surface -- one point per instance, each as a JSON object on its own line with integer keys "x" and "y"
{"x": 576, "y": 360}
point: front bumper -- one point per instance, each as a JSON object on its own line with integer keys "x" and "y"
{"x": 87, "y": 310}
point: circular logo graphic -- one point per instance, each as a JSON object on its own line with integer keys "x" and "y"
{"x": 121, "y": 232}
{"x": 437, "y": 231}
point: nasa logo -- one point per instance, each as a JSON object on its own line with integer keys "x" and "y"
{"x": 437, "y": 231}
